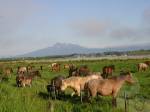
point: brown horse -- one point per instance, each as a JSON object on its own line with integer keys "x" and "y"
{"x": 55, "y": 85}
{"x": 23, "y": 80}
{"x": 142, "y": 66}
{"x": 34, "y": 73}
{"x": 19, "y": 78}
{"x": 55, "y": 67}
{"x": 108, "y": 70}
{"x": 81, "y": 71}
{"x": 73, "y": 70}
{"x": 29, "y": 68}
{"x": 8, "y": 71}
{"x": 108, "y": 87}
{"x": 26, "y": 81}
{"x": 147, "y": 62}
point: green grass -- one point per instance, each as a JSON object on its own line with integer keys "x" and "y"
{"x": 35, "y": 99}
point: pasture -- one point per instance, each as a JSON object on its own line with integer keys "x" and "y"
{"x": 36, "y": 98}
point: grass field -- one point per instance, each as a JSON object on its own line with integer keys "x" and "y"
{"x": 35, "y": 99}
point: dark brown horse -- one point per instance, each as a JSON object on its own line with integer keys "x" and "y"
{"x": 55, "y": 85}
{"x": 81, "y": 71}
{"x": 84, "y": 70}
{"x": 147, "y": 62}
{"x": 73, "y": 70}
{"x": 108, "y": 70}
{"x": 34, "y": 73}
{"x": 108, "y": 87}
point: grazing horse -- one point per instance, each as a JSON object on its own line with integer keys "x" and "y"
{"x": 77, "y": 83}
{"x": 147, "y": 62}
{"x": 34, "y": 73}
{"x": 108, "y": 70}
{"x": 23, "y": 80}
{"x": 26, "y": 80}
{"x": 8, "y": 71}
{"x": 67, "y": 66}
{"x": 55, "y": 67}
{"x": 81, "y": 71}
{"x": 108, "y": 87}
{"x": 73, "y": 71}
{"x": 21, "y": 70}
{"x": 55, "y": 85}
{"x": 142, "y": 66}
{"x": 84, "y": 70}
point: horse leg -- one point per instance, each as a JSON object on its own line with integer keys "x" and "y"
{"x": 106, "y": 76}
{"x": 73, "y": 93}
{"x": 114, "y": 102}
{"x": 78, "y": 92}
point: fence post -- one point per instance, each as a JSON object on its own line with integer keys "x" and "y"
{"x": 125, "y": 101}
{"x": 81, "y": 94}
{"x": 54, "y": 90}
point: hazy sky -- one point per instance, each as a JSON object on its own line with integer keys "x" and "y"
{"x": 27, "y": 25}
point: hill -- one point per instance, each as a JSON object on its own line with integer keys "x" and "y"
{"x": 66, "y": 49}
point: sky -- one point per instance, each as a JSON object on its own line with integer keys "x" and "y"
{"x": 28, "y": 25}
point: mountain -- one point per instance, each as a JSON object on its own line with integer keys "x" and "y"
{"x": 66, "y": 49}
{"x": 61, "y": 49}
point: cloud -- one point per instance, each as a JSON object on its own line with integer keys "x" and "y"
{"x": 141, "y": 32}
{"x": 13, "y": 14}
{"x": 124, "y": 32}
{"x": 90, "y": 28}
{"x": 146, "y": 16}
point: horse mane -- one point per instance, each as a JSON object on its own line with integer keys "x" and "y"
{"x": 117, "y": 77}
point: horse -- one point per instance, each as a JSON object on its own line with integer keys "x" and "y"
{"x": 108, "y": 70}
{"x": 55, "y": 67}
{"x": 147, "y": 62}
{"x": 8, "y": 71}
{"x": 23, "y": 80}
{"x": 55, "y": 85}
{"x": 77, "y": 83}
{"x": 83, "y": 70}
{"x": 19, "y": 77}
{"x": 142, "y": 66}
{"x": 66, "y": 66}
{"x": 29, "y": 68}
{"x": 22, "y": 70}
{"x": 34, "y": 73}
{"x": 73, "y": 70}
{"x": 108, "y": 87}
{"x": 26, "y": 81}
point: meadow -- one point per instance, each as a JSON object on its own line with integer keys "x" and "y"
{"x": 36, "y": 98}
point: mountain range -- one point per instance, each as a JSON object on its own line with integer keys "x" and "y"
{"x": 66, "y": 49}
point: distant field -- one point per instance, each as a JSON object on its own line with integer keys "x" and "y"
{"x": 35, "y": 99}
